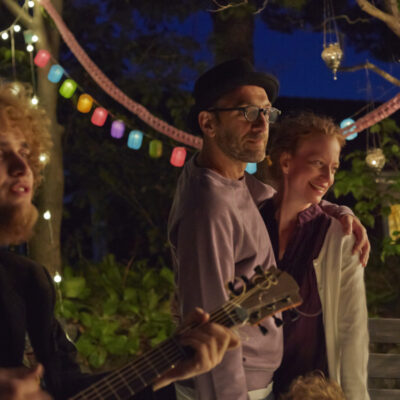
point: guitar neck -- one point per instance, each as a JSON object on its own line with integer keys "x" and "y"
{"x": 144, "y": 370}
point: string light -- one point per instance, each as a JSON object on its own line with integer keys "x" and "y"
{"x": 4, "y": 35}
{"x": 31, "y": 4}
{"x": 57, "y": 278}
{"x": 17, "y": 28}
{"x": 35, "y": 38}
{"x": 43, "y": 158}
{"x": 47, "y": 215}
{"x": 35, "y": 100}
{"x": 29, "y": 48}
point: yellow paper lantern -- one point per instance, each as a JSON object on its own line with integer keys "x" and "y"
{"x": 85, "y": 103}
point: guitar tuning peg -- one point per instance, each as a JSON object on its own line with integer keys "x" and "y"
{"x": 278, "y": 321}
{"x": 231, "y": 288}
{"x": 293, "y": 315}
{"x": 263, "y": 329}
{"x": 259, "y": 270}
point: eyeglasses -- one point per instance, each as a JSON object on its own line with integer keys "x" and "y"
{"x": 251, "y": 113}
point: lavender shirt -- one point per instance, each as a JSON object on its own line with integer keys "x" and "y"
{"x": 217, "y": 233}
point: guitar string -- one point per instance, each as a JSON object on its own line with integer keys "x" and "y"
{"x": 125, "y": 374}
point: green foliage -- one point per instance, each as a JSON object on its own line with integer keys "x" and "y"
{"x": 119, "y": 310}
{"x": 374, "y": 192}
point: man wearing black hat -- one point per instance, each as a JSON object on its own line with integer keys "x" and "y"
{"x": 215, "y": 228}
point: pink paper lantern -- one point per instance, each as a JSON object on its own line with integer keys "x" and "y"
{"x": 99, "y": 116}
{"x": 178, "y": 156}
{"x": 42, "y": 58}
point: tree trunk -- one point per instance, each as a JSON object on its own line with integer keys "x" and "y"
{"x": 233, "y": 34}
{"x": 45, "y": 245}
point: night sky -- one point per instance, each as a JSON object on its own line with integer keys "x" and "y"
{"x": 296, "y": 60}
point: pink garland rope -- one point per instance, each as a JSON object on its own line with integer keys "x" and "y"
{"x": 101, "y": 79}
{"x": 380, "y": 113}
{"x": 383, "y": 111}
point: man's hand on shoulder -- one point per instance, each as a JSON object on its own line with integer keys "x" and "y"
{"x": 351, "y": 224}
{"x": 209, "y": 341}
{"x": 22, "y": 384}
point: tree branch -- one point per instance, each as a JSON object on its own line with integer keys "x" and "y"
{"x": 391, "y": 21}
{"x": 374, "y": 68}
{"x": 229, "y": 5}
{"x": 393, "y": 7}
{"x": 242, "y": 3}
{"x": 19, "y": 12}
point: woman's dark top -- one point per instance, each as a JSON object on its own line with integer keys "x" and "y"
{"x": 304, "y": 337}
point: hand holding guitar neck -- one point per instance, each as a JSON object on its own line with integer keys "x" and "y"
{"x": 209, "y": 342}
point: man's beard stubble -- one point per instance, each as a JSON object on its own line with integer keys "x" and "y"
{"x": 16, "y": 223}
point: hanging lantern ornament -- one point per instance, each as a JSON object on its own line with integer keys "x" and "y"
{"x": 375, "y": 159}
{"x": 332, "y": 56}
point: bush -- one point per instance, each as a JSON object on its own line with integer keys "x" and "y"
{"x": 115, "y": 311}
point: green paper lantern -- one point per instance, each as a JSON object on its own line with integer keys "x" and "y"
{"x": 68, "y": 88}
{"x": 155, "y": 148}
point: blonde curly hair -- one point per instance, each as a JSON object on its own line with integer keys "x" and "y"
{"x": 18, "y": 114}
{"x": 314, "y": 386}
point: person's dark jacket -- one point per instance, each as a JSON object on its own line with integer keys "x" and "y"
{"x": 27, "y": 299}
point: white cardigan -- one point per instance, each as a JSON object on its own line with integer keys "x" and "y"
{"x": 340, "y": 279}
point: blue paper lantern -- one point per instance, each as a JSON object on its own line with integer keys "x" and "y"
{"x": 251, "y": 168}
{"x": 345, "y": 123}
{"x": 55, "y": 74}
{"x": 135, "y": 139}
{"x": 117, "y": 129}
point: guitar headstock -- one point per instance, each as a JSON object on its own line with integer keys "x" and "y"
{"x": 264, "y": 295}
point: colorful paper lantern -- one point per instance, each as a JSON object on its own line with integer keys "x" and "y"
{"x": 99, "y": 116}
{"x": 42, "y": 58}
{"x": 155, "y": 148}
{"x": 85, "y": 103}
{"x": 344, "y": 124}
{"x": 117, "y": 129}
{"x": 68, "y": 87}
{"x": 28, "y": 34}
{"x": 55, "y": 74}
{"x": 178, "y": 156}
{"x": 135, "y": 139}
{"x": 251, "y": 168}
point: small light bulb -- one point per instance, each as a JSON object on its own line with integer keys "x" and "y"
{"x": 57, "y": 278}
{"x": 4, "y": 35}
{"x": 29, "y": 48}
{"x": 35, "y": 38}
{"x": 31, "y": 3}
{"x": 43, "y": 158}
{"x": 34, "y": 100}
{"x": 47, "y": 215}
{"x": 17, "y": 28}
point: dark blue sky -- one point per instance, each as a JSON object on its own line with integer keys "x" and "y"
{"x": 296, "y": 60}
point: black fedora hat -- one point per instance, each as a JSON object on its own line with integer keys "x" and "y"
{"x": 222, "y": 79}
